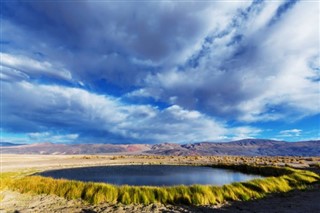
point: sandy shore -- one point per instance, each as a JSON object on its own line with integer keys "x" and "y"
{"x": 295, "y": 201}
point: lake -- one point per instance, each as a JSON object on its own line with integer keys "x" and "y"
{"x": 152, "y": 175}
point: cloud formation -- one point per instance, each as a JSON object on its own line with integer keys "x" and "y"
{"x": 250, "y": 70}
{"x": 157, "y": 71}
{"x": 78, "y": 114}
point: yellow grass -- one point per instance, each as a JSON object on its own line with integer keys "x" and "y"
{"x": 278, "y": 180}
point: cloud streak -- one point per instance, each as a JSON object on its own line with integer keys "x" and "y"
{"x": 27, "y": 67}
{"x": 86, "y": 115}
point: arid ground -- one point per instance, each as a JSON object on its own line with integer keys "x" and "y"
{"x": 295, "y": 201}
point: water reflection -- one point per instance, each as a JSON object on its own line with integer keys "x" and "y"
{"x": 152, "y": 175}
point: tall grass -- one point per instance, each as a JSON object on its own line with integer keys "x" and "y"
{"x": 279, "y": 180}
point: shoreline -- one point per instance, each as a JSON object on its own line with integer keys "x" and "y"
{"x": 14, "y": 162}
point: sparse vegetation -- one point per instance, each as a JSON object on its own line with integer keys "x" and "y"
{"x": 317, "y": 165}
{"x": 277, "y": 180}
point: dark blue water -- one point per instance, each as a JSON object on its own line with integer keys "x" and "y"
{"x": 152, "y": 175}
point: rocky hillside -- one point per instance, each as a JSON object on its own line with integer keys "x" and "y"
{"x": 247, "y": 147}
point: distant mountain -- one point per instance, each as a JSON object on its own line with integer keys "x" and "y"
{"x": 9, "y": 144}
{"x": 247, "y": 147}
{"x": 52, "y": 148}
{"x": 258, "y": 147}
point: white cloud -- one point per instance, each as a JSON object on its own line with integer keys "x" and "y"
{"x": 289, "y": 85}
{"x": 290, "y": 133}
{"x": 54, "y": 108}
{"x": 268, "y": 11}
{"x": 51, "y": 137}
{"x": 9, "y": 74}
{"x": 265, "y": 75}
{"x": 14, "y": 65}
{"x": 244, "y": 132}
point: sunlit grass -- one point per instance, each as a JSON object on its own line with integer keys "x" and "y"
{"x": 278, "y": 180}
{"x": 1, "y": 197}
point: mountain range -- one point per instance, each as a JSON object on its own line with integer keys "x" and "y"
{"x": 246, "y": 147}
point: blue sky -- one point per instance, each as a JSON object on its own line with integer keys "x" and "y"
{"x": 165, "y": 71}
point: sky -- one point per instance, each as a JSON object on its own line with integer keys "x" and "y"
{"x": 159, "y": 71}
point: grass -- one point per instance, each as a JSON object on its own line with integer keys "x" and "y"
{"x": 277, "y": 180}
